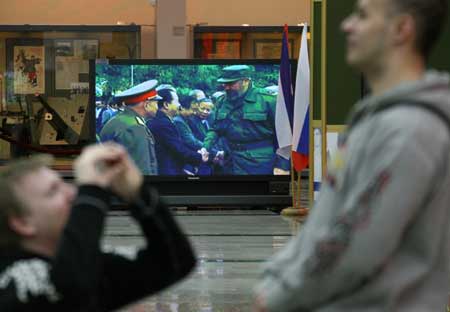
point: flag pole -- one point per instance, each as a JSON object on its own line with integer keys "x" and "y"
{"x": 296, "y": 209}
{"x": 293, "y": 188}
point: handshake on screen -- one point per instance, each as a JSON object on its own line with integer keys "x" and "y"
{"x": 218, "y": 158}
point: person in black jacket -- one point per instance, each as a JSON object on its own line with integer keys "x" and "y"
{"x": 172, "y": 152}
{"x": 50, "y": 231}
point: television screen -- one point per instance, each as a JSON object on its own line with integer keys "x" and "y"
{"x": 195, "y": 118}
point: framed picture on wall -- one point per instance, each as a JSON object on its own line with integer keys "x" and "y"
{"x": 64, "y": 48}
{"x": 228, "y": 48}
{"x": 270, "y": 48}
{"x": 26, "y": 66}
{"x": 72, "y": 63}
{"x": 225, "y": 49}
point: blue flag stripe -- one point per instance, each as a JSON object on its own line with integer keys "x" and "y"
{"x": 286, "y": 80}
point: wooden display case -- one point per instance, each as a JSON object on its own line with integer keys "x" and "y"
{"x": 53, "y": 62}
{"x": 245, "y": 42}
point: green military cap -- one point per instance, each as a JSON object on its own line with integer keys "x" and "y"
{"x": 233, "y": 73}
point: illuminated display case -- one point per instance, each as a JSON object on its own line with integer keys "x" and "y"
{"x": 44, "y": 83}
{"x": 243, "y": 42}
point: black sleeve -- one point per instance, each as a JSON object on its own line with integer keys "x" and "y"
{"x": 75, "y": 267}
{"x": 167, "y": 257}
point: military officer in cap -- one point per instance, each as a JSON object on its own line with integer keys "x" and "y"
{"x": 128, "y": 127}
{"x": 244, "y": 120}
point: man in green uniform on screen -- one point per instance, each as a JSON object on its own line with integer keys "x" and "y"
{"x": 244, "y": 121}
{"x": 128, "y": 127}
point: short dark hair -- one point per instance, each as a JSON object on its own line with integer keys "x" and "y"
{"x": 166, "y": 96}
{"x": 185, "y": 102}
{"x": 10, "y": 203}
{"x": 430, "y": 17}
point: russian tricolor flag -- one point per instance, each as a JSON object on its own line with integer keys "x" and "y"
{"x": 300, "y": 133}
{"x": 285, "y": 102}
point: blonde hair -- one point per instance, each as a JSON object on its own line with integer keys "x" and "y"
{"x": 10, "y": 203}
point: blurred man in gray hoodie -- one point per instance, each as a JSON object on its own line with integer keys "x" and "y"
{"x": 378, "y": 238}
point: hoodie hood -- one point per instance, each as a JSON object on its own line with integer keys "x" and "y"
{"x": 433, "y": 89}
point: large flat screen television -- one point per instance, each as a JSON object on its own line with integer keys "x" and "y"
{"x": 201, "y": 131}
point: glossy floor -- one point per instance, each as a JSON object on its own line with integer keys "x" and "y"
{"x": 231, "y": 246}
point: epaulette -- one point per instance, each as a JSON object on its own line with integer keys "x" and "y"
{"x": 140, "y": 121}
{"x": 266, "y": 92}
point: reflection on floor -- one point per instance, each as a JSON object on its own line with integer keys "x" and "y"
{"x": 231, "y": 246}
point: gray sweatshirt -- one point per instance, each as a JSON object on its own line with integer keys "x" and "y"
{"x": 377, "y": 238}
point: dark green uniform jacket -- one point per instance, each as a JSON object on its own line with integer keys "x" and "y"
{"x": 247, "y": 128}
{"x": 128, "y": 129}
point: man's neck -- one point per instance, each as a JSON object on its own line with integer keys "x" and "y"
{"x": 396, "y": 71}
{"x": 138, "y": 109}
{"x": 38, "y": 248}
{"x": 165, "y": 112}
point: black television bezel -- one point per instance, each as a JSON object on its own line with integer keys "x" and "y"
{"x": 178, "y": 178}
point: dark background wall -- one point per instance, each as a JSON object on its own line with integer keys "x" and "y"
{"x": 440, "y": 58}
{"x": 316, "y": 23}
{"x": 343, "y": 85}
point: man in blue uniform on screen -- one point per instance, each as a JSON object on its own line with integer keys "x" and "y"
{"x": 128, "y": 127}
{"x": 244, "y": 120}
{"x": 171, "y": 151}
{"x": 182, "y": 122}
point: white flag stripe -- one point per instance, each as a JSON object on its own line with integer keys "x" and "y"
{"x": 302, "y": 90}
{"x": 283, "y": 130}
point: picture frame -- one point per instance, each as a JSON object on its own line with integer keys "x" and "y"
{"x": 63, "y": 48}
{"x": 226, "y": 49}
{"x": 270, "y": 48}
{"x": 26, "y": 63}
{"x": 71, "y": 63}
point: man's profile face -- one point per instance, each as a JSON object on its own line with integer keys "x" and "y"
{"x": 151, "y": 107}
{"x": 194, "y": 107}
{"x": 367, "y": 34}
{"x": 235, "y": 89}
{"x": 173, "y": 107}
{"x": 185, "y": 112}
{"x": 48, "y": 200}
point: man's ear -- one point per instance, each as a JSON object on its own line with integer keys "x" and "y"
{"x": 21, "y": 225}
{"x": 405, "y": 29}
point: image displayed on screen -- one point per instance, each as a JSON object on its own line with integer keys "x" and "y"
{"x": 191, "y": 119}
